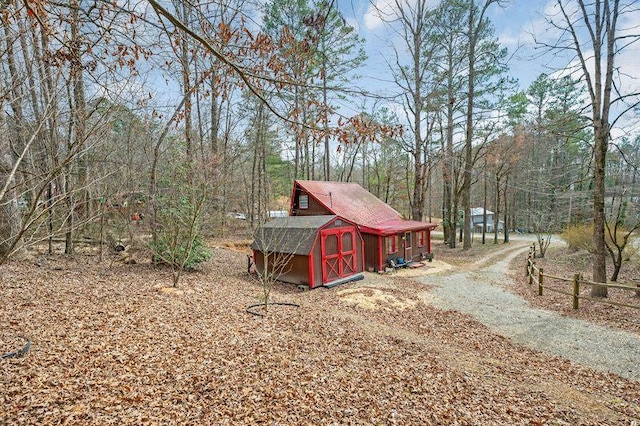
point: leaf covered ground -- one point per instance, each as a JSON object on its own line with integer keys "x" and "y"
{"x": 563, "y": 262}
{"x": 115, "y": 345}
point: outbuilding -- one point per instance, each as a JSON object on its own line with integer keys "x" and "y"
{"x": 313, "y": 251}
{"x": 387, "y": 235}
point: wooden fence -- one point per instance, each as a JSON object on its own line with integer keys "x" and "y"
{"x": 537, "y": 276}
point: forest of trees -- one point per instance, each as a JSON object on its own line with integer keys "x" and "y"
{"x": 177, "y": 113}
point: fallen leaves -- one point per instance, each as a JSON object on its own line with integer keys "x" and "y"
{"x": 113, "y": 346}
{"x": 564, "y": 263}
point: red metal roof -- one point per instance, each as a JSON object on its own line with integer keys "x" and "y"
{"x": 354, "y": 203}
{"x": 396, "y": 226}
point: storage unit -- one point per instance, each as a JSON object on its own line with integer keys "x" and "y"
{"x": 310, "y": 250}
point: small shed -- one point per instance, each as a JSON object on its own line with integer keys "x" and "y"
{"x": 310, "y": 250}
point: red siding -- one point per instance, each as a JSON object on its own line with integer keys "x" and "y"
{"x": 308, "y": 270}
{"x": 316, "y": 262}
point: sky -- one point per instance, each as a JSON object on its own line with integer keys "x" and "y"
{"x": 512, "y": 22}
{"x": 515, "y": 24}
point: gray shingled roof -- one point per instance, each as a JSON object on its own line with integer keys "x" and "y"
{"x": 291, "y": 235}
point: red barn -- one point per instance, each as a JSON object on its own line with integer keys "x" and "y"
{"x": 310, "y": 250}
{"x": 387, "y": 235}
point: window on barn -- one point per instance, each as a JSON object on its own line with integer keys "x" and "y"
{"x": 303, "y": 201}
{"x": 392, "y": 244}
{"x": 421, "y": 238}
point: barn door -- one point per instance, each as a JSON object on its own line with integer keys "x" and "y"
{"x": 348, "y": 252}
{"x": 330, "y": 255}
{"x": 338, "y": 253}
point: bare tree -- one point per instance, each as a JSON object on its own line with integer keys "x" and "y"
{"x": 592, "y": 32}
{"x": 449, "y": 62}
{"x": 276, "y": 244}
{"x": 477, "y": 27}
{"x": 417, "y": 84}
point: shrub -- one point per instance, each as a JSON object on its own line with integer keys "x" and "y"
{"x": 631, "y": 251}
{"x": 579, "y": 237}
{"x": 178, "y": 209}
{"x": 168, "y": 251}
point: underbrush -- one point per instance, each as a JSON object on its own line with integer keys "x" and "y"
{"x": 580, "y": 238}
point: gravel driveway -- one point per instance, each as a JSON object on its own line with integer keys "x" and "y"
{"x": 481, "y": 290}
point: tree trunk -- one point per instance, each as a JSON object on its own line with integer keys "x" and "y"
{"x": 186, "y": 83}
{"x": 325, "y": 118}
{"x": 77, "y": 133}
{"x": 50, "y": 99}
{"x": 600, "y": 18}
{"x": 505, "y": 227}
{"x": 496, "y": 214}
{"x": 450, "y": 212}
{"x": 599, "y": 219}
{"x": 215, "y": 117}
{"x": 468, "y": 148}
{"x": 484, "y": 206}
{"x": 10, "y": 220}
{"x": 617, "y": 265}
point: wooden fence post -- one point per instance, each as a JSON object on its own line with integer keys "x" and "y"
{"x": 531, "y": 266}
{"x": 576, "y": 290}
{"x": 540, "y": 284}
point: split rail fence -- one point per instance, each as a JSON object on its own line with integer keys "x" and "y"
{"x": 537, "y": 276}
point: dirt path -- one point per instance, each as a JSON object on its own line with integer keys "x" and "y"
{"x": 480, "y": 289}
